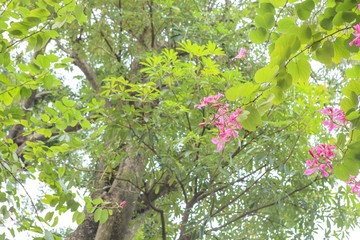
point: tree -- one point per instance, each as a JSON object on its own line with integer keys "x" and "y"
{"x": 170, "y": 132}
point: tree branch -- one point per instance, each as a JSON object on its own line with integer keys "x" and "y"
{"x": 261, "y": 207}
{"x": 83, "y": 65}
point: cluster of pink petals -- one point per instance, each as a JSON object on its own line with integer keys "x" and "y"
{"x": 354, "y": 184}
{"x": 322, "y": 156}
{"x": 242, "y": 53}
{"x": 359, "y": 6}
{"x": 213, "y": 100}
{"x": 356, "y": 41}
{"x": 224, "y": 120}
{"x": 227, "y": 125}
{"x": 337, "y": 118}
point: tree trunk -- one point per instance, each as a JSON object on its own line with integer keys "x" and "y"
{"x": 124, "y": 188}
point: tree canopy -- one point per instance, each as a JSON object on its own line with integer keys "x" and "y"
{"x": 180, "y": 119}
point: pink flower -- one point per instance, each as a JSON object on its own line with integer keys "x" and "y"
{"x": 209, "y": 100}
{"x": 123, "y": 203}
{"x": 219, "y": 143}
{"x": 359, "y": 6}
{"x": 322, "y": 156}
{"x": 337, "y": 118}
{"x": 354, "y": 184}
{"x": 357, "y": 35}
{"x": 225, "y": 120}
{"x": 242, "y": 53}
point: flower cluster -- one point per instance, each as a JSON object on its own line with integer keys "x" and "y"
{"x": 242, "y": 54}
{"x": 354, "y": 184}
{"x": 337, "y": 118}
{"x": 224, "y": 120}
{"x": 356, "y": 41}
{"x": 213, "y": 100}
{"x": 322, "y": 156}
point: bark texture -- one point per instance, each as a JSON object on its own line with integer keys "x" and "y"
{"x": 123, "y": 188}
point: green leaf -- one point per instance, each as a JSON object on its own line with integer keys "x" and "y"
{"x": 348, "y": 16}
{"x": 49, "y": 216}
{"x": 304, "y": 34}
{"x": 326, "y": 24}
{"x": 56, "y": 220}
{"x": 286, "y": 24}
{"x": 304, "y": 9}
{"x": 340, "y": 51}
{"x": 97, "y": 201}
{"x": 243, "y": 115}
{"x": 253, "y": 119}
{"x": 338, "y": 19}
{"x": 79, "y": 14}
{"x": 325, "y": 53}
{"x": 85, "y": 124}
{"x": 61, "y": 171}
{"x": 80, "y": 218}
{"x": 60, "y": 106}
{"x": 341, "y": 139}
{"x": 351, "y": 164}
{"x": 352, "y": 116}
{"x": 7, "y": 98}
{"x": 265, "y": 20}
{"x": 104, "y": 216}
{"x": 43, "y": 131}
{"x": 352, "y": 87}
{"x": 5, "y": 59}
{"x": 300, "y": 70}
{"x": 259, "y": 35}
{"x": 353, "y": 72}
{"x": 97, "y": 214}
{"x": 284, "y": 80}
{"x": 242, "y": 90}
{"x": 266, "y": 74}
{"x": 68, "y": 102}
{"x": 265, "y": 106}
{"x": 278, "y": 3}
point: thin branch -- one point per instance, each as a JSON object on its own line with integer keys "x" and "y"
{"x": 26, "y": 192}
{"x": 150, "y": 4}
{"x": 161, "y": 212}
{"x": 261, "y": 207}
{"x": 118, "y": 57}
{"x": 315, "y": 42}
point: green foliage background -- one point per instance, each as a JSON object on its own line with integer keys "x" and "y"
{"x": 144, "y": 65}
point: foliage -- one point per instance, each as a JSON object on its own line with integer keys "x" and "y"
{"x": 128, "y": 135}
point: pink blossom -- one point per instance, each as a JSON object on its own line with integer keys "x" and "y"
{"x": 354, "y": 184}
{"x": 242, "y": 53}
{"x": 337, "y": 118}
{"x": 219, "y": 143}
{"x": 224, "y": 119}
{"x": 322, "y": 156}
{"x": 123, "y": 203}
{"x": 359, "y": 6}
{"x": 357, "y": 35}
{"x": 209, "y": 100}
